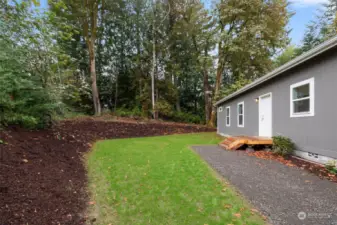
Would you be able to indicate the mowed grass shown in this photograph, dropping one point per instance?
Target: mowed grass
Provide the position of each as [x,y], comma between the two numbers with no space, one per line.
[160,180]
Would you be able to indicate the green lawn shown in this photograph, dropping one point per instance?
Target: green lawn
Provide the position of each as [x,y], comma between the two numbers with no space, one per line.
[160,180]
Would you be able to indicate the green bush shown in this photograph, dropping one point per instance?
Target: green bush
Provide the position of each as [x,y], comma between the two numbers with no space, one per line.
[164,108]
[331,166]
[23,101]
[132,113]
[186,118]
[282,146]
[26,98]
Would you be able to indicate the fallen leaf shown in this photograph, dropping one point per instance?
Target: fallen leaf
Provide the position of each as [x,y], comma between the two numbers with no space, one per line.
[238,215]
[227,206]
[254,210]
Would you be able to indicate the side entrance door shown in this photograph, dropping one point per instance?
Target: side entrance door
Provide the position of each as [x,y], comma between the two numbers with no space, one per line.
[265,115]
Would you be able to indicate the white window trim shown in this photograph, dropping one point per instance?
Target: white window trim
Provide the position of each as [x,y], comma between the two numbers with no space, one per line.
[229,116]
[220,109]
[311,97]
[243,114]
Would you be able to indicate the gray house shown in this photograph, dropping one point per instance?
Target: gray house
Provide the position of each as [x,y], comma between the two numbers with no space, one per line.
[297,100]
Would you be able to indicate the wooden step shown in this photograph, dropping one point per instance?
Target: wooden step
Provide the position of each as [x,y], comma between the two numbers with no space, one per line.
[235,142]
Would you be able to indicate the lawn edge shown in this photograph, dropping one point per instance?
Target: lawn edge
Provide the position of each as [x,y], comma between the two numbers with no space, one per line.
[91,206]
[224,181]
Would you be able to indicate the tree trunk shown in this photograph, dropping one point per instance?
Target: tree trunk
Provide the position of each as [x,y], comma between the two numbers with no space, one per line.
[176,84]
[89,23]
[116,93]
[207,88]
[154,59]
[95,95]
[208,98]
[178,105]
[219,72]
[216,93]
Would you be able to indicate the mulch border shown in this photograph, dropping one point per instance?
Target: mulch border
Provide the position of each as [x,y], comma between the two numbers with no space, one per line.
[294,161]
[43,179]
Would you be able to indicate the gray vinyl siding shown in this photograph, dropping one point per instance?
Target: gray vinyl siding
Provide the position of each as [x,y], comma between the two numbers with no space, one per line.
[318,133]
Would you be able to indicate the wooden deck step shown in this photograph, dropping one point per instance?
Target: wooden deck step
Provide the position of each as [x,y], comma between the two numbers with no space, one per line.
[235,142]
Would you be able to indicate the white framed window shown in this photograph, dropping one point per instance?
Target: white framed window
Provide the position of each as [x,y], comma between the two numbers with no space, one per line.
[302,98]
[220,109]
[241,112]
[228,116]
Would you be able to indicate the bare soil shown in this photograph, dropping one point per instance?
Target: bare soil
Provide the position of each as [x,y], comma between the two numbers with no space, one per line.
[42,174]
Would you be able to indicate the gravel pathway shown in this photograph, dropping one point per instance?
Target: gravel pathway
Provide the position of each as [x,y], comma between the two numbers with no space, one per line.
[280,192]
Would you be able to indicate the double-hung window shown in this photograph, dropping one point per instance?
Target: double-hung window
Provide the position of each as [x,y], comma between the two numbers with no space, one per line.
[240,112]
[302,98]
[228,116]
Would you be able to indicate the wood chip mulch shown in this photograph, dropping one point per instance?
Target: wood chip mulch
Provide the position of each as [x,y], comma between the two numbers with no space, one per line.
[314,168]
[42,175]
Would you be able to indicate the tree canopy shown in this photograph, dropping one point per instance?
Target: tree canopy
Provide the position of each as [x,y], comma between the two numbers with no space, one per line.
[166,59]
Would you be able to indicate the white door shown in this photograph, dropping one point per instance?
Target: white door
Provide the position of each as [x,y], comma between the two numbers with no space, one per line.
[265,115]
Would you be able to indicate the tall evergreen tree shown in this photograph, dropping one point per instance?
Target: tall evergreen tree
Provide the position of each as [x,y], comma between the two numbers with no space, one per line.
[249,33]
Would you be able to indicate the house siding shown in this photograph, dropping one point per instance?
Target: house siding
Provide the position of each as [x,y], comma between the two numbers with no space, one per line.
[316,134]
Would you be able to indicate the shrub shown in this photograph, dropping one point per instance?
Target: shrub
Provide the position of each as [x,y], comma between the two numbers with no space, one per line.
[164,108]
[123,112]
[24,102]
[26,98]
[331,166]
[186,118]
[282,146]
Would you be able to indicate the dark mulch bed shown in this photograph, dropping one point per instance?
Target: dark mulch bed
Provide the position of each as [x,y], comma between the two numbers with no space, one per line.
[42,175]
[314,168]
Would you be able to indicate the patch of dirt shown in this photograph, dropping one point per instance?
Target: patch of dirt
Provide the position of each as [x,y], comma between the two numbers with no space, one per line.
[314,168]
[42,175]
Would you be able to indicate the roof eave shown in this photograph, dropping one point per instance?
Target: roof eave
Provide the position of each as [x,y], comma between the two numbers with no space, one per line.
[289,65]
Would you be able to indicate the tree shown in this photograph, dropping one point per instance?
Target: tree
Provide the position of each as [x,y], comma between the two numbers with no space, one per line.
[321,29]
[311,38]
[30,67]
[249,33]
[191,40]
[170,59]
[154,59]
[85,15]
[288,54]
[89,20]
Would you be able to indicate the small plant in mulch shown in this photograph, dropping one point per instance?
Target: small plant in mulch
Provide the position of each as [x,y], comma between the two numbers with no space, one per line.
[331,166]
[2,142]
[282,146]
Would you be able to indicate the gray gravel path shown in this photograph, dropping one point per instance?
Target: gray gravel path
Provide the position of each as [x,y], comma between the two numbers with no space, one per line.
[280,192]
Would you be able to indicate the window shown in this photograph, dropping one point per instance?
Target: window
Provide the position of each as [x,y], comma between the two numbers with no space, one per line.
[220,109]
[228,116]
[302,98]
[241,110]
